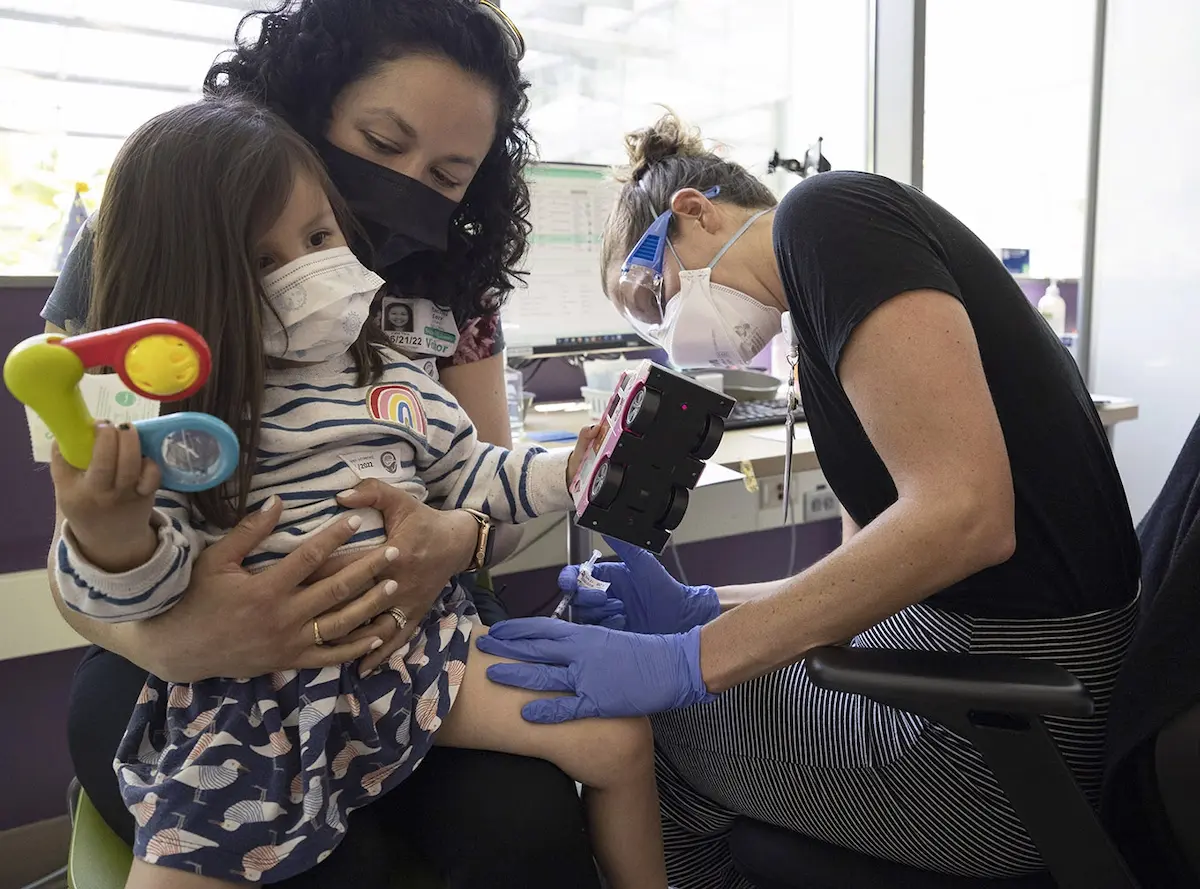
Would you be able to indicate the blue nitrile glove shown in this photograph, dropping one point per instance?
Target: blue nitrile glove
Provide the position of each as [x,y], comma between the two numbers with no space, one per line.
[607,672]
[642,596]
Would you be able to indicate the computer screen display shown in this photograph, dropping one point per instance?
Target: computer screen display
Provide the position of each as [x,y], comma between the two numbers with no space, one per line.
[562,309]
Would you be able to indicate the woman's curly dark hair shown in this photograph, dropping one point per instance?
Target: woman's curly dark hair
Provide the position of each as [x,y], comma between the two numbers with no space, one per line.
[308,51]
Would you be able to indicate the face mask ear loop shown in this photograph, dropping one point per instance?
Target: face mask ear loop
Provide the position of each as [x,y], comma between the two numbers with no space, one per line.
[678,261]
[741,231]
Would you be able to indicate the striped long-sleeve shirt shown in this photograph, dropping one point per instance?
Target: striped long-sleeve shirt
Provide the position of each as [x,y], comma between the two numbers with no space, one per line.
[321,434]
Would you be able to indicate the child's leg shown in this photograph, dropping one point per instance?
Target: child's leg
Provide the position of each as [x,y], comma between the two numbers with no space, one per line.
[150,876]
[614,758]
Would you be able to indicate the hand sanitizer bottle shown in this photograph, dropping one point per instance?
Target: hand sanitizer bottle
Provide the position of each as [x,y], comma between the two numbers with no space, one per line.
[1054,309]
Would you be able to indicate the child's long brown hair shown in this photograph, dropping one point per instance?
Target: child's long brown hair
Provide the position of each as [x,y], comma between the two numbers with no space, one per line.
[189,196]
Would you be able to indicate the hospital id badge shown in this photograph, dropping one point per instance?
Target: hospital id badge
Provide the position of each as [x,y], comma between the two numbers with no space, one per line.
[418,328]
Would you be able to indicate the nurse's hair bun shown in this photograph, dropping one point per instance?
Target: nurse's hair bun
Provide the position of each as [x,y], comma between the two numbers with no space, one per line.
[668,137]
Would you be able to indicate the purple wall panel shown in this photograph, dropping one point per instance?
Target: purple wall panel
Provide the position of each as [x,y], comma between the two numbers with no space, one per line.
[28,520]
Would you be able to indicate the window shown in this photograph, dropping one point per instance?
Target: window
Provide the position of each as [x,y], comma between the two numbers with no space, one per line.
[1007,109]
[755,76]
[77,77]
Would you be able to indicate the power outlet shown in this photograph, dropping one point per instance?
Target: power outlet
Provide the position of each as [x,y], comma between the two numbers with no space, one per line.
[770,492]
[812,500]
[820,504]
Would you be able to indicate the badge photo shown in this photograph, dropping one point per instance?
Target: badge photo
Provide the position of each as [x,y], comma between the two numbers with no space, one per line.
[397,315]
[417,328]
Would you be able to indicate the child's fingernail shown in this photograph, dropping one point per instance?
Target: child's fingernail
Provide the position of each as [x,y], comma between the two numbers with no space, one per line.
[376,643]
[390,587]
[269,504]
[347,493]
[391,554]
[355,522]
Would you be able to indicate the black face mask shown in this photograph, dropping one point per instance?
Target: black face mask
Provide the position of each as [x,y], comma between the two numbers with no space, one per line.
[400,216]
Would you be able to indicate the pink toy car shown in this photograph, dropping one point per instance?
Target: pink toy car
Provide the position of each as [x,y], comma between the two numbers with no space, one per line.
[657,431]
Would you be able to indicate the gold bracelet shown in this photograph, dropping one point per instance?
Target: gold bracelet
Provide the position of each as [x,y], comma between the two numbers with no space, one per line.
[483,542]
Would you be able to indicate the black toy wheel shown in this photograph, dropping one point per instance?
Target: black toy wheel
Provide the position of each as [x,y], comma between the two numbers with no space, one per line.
[606,483]
[642,409]
[711,438]
[676,509]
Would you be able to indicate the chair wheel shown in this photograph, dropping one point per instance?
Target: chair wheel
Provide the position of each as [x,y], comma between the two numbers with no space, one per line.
[676,509]
[711,438]
[641,411]
[606,483]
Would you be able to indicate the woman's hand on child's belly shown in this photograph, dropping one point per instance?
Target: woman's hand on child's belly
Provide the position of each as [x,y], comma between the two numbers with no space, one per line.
[434,546]
[234,623]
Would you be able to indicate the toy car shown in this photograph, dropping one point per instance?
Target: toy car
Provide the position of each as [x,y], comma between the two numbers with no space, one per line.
[657,430]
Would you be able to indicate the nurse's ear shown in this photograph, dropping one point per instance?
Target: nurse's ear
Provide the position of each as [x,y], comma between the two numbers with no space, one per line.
[691,207]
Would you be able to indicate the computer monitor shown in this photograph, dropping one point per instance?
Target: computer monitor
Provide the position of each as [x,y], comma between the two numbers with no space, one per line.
[562,309]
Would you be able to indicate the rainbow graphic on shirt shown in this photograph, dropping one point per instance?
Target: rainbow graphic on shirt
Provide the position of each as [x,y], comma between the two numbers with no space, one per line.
[397,404]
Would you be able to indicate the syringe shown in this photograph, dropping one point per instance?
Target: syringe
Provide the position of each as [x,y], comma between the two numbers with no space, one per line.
[563,609]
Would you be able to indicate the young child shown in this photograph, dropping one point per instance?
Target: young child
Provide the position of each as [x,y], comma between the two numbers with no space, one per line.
[218,215]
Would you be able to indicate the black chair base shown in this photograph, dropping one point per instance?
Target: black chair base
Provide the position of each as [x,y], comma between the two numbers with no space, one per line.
[774,858]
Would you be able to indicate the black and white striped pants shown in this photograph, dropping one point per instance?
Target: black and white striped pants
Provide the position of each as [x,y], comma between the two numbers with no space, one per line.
[846,770]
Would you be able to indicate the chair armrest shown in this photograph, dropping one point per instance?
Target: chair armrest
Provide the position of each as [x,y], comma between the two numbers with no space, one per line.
[925,680]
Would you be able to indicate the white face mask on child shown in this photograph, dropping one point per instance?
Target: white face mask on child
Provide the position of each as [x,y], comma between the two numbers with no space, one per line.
[322,300]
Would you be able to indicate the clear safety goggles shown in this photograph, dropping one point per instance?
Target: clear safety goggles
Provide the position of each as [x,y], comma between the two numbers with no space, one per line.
[512,35]
[639,292]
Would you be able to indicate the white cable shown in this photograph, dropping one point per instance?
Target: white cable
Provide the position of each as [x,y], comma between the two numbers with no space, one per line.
[682,578]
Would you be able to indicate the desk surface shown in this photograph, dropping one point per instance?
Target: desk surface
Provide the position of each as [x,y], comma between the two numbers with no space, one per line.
[31,624]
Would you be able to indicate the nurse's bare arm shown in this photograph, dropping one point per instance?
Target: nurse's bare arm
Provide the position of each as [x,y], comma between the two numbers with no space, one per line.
[849,527]
[733,596]
[913,373]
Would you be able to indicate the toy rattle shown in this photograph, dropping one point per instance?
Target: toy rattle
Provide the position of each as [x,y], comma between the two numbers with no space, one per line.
[158,359]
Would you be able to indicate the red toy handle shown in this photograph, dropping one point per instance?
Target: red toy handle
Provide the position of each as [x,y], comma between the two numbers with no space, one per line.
[109,348]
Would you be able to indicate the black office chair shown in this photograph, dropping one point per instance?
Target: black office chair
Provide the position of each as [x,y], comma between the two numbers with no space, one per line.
[1150,836]
[994,702]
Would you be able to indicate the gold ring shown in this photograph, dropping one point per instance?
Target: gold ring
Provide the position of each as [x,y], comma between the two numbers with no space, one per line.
[399,617]
[317,633]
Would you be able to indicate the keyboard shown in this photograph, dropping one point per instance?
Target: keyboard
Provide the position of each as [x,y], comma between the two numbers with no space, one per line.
[749,414]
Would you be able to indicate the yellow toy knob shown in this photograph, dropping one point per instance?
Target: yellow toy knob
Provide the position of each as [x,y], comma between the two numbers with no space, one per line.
[162,364]
[45,377]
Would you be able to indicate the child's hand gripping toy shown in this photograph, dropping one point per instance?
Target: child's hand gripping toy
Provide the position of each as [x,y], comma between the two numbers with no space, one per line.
[657,430]
[158,359]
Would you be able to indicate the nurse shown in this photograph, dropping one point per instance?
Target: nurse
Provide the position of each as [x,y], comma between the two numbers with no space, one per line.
[984,513]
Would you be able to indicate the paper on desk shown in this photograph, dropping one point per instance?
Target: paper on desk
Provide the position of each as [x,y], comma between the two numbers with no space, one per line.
[715,474]
[771,433]
[106,397]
